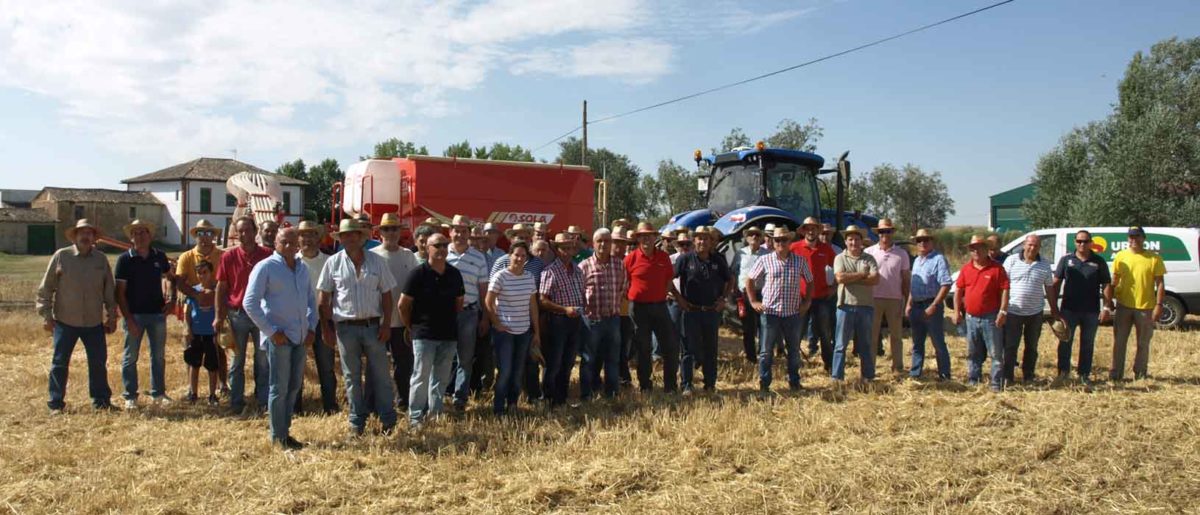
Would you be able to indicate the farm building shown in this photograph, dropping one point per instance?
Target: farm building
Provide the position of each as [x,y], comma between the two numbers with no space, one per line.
[109,209]
[27,231]
[196,189]
[17,198]
[1006,214]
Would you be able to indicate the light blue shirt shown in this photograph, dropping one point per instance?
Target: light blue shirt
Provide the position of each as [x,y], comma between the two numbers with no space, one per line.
[929,274]
[746,258]
[279,299]
[492,256]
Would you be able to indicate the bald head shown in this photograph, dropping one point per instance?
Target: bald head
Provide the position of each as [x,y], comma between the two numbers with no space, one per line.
[287,241]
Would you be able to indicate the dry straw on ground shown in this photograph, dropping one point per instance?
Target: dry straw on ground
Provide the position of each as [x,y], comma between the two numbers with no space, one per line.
[899,446]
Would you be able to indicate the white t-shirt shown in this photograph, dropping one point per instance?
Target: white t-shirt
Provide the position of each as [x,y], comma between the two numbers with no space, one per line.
[314,264]
[512,299]
[400,263]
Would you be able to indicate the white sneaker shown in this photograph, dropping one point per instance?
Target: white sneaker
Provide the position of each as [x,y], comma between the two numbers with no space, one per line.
[163,400]
[130,404]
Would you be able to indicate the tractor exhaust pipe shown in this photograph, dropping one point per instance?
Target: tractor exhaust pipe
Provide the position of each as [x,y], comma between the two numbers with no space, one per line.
[843,187]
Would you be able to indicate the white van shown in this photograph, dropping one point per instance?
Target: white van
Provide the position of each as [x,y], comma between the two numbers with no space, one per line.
[1179,248]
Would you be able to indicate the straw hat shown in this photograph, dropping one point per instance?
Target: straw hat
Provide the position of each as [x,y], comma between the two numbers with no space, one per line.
[203,225]
[923,234]
[811,221]
[430,222]
[781,233]
[753,229]
[977,239]
[563,239]
[885,223]
[460,221]
[135,224]
[477,234]
[682,237]
[621,222]
[645,228]
[518,229]
[490,227]
[352,225]
[769,230]
[707,231]
[854,229]
[313,227]
[624,235]
[1059,329]
[83,223]
[390,220]
[541,227]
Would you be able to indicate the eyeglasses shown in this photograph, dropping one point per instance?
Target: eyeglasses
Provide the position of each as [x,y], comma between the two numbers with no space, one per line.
[204,233]
[440,245]
[885,231]
[925,240]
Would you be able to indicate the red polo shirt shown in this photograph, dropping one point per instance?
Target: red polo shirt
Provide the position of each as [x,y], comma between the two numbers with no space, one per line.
[982,287]
[235,270]
[648,275]
[818,258]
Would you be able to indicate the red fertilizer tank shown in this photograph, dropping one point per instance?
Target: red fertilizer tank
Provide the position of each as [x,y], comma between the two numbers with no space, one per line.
[502,192]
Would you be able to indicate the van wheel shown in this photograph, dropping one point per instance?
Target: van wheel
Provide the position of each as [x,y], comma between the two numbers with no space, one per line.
[1172,313]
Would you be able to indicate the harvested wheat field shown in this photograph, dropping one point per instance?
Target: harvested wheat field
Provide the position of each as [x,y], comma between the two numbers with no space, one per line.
[899,446]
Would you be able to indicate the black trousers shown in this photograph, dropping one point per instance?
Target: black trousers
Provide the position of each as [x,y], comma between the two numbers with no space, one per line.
[653,318]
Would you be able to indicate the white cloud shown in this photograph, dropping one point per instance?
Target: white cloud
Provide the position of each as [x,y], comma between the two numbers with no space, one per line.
[191,77]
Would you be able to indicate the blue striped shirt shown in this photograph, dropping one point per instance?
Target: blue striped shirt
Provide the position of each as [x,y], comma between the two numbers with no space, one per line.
[473,267]
[929,274]
[1027,284]
[534,266]
[512,299]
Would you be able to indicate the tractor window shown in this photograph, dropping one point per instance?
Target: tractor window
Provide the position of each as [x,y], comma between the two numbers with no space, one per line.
[734,187]
[792,188]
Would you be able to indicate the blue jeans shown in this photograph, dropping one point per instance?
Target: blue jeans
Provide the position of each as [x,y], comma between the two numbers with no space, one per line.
[323,356]
[774,328]
[468,329]
[983,339]
[511,351]
[154,328]
[603,351]
[433,362]
[356,342]
[932,327]
[854,322]
[560,351]
[820,321]
[245,332]
[94,345]
[701,344]
[286,369]
[1087,323]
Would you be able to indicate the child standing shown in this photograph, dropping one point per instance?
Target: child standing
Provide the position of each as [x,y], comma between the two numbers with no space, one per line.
[201,347]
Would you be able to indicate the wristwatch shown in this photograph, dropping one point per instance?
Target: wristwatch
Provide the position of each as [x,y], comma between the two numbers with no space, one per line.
[1004,312]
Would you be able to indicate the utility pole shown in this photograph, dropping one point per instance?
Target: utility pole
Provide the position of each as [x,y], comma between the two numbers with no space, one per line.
[583,158]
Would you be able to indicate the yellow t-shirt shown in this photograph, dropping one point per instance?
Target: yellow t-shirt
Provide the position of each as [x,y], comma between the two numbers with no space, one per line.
[185,267]
[1137,271]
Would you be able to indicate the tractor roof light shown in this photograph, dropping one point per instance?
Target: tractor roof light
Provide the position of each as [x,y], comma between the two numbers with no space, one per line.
[760,146]
[697,155]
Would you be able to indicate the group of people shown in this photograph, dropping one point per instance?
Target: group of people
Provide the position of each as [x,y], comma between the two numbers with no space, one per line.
[459,315]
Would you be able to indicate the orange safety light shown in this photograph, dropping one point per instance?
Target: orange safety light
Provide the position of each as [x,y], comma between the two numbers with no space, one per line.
[760,146]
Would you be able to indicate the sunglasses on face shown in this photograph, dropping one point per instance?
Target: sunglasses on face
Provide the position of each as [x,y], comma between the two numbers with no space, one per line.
[885,231]
[1081,242]
[924,240]
[204,233]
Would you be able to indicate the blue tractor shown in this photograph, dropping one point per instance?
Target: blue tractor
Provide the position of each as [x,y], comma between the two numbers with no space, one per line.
[751,187]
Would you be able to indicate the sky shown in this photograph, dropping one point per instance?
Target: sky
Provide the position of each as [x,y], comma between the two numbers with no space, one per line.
[95,91]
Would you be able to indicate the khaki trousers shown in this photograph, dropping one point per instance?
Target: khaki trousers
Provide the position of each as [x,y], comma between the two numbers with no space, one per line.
[893,311]
[1125,321]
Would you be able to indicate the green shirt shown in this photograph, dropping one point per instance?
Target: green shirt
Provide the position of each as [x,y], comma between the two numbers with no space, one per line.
[855,294]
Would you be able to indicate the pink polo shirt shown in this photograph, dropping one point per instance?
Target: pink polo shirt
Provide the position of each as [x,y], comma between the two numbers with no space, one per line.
[892,265]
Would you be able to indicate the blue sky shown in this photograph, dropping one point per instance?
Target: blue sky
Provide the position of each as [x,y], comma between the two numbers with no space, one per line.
[93,91]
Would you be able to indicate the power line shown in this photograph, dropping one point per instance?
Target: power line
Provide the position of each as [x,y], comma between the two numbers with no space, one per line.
[783,70]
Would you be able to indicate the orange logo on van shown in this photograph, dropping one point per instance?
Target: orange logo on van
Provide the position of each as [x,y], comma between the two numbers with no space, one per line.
[1099,244]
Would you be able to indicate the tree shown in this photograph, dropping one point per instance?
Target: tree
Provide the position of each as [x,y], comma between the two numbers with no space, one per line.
[460,150]
[626,199]
[1139,165]
[294,169]
[910,196]
[321,179]
[736,138]
[395,147]
[791,135]
[672,190]
[497,152]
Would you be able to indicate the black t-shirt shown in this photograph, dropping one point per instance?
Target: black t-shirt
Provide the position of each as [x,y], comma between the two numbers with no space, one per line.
[434,295]
[702,281]
[1082,282]
[143,280]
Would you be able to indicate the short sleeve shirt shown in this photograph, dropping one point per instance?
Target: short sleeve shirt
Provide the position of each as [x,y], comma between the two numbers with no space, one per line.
[783,288]
[893,263]
[400,263]
[855,294]
[202,316]
[185,267]
[929,274]
[235,270]
[434,316]
[648,275]
[357,291]
[820,258]
[143,280]
[1027,284]
[513,293]
[982,287]
[702,281]
[1083,280]
[473,267]
[1137,272]
[562,284]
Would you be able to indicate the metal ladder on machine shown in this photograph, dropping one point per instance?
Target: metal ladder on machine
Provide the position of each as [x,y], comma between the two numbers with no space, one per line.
[258,195]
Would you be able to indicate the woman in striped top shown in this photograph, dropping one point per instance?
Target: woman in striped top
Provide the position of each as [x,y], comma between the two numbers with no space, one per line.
[511,304]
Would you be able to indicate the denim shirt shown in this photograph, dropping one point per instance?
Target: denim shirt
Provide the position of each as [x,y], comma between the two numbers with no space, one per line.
[929,274]
[279,299]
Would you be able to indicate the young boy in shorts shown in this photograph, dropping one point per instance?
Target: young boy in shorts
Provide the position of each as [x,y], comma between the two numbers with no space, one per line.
[201,347]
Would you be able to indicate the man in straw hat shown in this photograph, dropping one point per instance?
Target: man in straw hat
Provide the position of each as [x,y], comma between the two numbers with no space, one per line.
[561,295]
[541,231]
[400,262]
[429,306]
[582,250]
[856,273]
[356,309]
[283,307]
[76,301]
[1081,277]
[622,237]
[683,245]
[895,277]
[827,234]
[925,307]
[818,320]
[743,263]
[981,292]
[232,277]
[605,284]
[782,305]
[204,233]
[314,260]
[491,244]
[471,323]
[650,280]
[1031,284]
[1137,282]
[142,274]
[704,282]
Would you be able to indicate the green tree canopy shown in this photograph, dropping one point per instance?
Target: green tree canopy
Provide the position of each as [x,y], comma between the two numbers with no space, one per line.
[320,180]
[910,196]
[625,197]
[497,152]
[395,147]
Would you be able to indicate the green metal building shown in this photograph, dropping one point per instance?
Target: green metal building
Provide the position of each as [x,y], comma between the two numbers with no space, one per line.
[1006,214]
